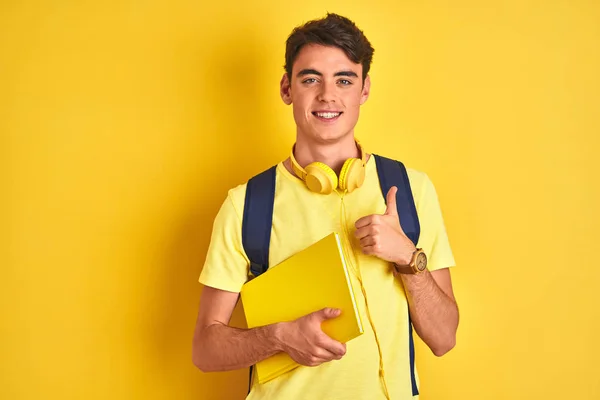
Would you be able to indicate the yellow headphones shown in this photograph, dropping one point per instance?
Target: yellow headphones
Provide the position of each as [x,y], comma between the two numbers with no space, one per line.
[320,178]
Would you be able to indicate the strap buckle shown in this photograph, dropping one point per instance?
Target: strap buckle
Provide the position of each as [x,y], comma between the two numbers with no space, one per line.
[257,269]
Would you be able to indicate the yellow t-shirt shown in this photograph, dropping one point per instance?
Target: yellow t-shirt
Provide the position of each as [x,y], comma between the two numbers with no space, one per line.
[300,218]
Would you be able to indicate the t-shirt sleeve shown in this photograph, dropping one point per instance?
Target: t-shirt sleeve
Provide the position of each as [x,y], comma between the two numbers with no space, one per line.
[226,265]
[433,238]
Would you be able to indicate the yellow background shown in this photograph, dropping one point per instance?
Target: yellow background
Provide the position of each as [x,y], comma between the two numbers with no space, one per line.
[124,123]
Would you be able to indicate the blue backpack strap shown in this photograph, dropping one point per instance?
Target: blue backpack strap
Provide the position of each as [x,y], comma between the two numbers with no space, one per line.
[257,220]
[256,225]
[393,173]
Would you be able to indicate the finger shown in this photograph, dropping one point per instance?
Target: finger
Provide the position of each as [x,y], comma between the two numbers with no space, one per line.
[371,250]
[391,201]
[368,220]
[368,241]
[313,361]
[332,346]
[327,313]
[316,361]
[326,355]
[362,222]
[368,230]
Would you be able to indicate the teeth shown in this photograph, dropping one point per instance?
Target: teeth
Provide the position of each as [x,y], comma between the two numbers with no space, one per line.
[328,115]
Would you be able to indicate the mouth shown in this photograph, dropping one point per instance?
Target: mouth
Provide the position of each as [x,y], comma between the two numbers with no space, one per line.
[327,116]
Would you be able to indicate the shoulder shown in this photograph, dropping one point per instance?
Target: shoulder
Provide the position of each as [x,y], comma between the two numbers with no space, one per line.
[421,185]
[237,194]
[236,197]
[419,182]
[424,193]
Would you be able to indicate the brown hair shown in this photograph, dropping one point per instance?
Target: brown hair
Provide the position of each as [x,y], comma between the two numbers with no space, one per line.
[333,30]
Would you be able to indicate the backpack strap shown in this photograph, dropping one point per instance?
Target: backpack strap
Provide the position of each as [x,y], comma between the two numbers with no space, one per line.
[393,173]
[257,220]
[256,225]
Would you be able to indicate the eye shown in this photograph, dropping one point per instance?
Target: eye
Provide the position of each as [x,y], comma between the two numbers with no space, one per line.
[345,82]
[309,80]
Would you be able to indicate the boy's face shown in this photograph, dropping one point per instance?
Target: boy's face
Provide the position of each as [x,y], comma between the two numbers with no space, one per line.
[326,91]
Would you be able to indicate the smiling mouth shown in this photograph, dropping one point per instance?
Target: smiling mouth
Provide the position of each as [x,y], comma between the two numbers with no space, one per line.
[327,115]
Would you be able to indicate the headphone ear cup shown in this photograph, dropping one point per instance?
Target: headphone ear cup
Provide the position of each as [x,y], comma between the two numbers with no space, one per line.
[352,175]
[320,178]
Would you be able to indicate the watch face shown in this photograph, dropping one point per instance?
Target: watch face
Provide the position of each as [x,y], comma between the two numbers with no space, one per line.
[421,263]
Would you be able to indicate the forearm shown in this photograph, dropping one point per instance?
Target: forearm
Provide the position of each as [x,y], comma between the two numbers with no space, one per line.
[434,314]
[220,347]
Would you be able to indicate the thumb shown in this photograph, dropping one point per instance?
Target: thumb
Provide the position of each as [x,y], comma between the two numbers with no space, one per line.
[391,201]
[327,313]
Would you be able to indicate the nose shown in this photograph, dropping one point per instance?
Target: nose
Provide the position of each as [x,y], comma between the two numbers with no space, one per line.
[327,93]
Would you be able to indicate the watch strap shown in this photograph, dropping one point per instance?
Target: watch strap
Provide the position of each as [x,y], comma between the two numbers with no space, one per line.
[411,267]
[404,269]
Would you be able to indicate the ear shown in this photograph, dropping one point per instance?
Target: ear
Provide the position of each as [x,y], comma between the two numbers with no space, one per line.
[285,89]
[366,90]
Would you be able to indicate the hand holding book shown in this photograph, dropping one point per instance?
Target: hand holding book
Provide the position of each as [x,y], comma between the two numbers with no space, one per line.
[305,341]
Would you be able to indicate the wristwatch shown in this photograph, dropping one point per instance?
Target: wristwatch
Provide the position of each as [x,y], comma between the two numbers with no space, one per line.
[418,264]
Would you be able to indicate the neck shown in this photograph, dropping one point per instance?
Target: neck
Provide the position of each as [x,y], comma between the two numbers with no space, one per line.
[332,154]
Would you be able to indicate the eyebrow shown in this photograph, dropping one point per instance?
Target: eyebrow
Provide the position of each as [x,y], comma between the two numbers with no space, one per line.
[315,72]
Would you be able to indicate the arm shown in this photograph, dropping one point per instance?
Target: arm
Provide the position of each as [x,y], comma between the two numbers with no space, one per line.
[433,309]
[220,347]
[432,306]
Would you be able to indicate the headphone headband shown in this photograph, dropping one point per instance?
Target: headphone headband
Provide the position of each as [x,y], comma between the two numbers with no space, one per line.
[301,172]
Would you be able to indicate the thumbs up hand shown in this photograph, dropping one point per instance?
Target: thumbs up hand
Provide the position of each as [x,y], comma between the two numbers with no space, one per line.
[382,235]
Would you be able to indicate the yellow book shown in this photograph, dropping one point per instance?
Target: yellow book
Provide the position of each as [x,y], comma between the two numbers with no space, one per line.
[315,278]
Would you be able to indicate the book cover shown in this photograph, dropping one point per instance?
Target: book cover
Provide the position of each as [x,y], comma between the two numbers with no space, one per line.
[310,280]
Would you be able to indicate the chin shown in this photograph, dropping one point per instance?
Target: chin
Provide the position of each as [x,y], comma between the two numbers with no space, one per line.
[329,136]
